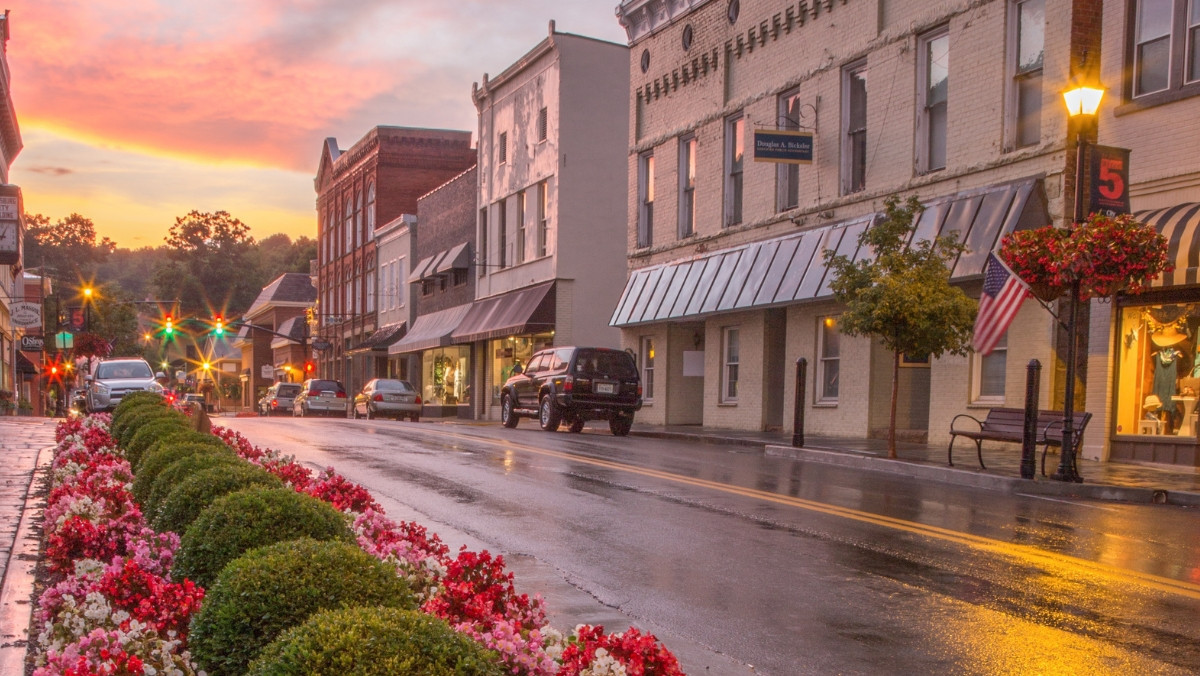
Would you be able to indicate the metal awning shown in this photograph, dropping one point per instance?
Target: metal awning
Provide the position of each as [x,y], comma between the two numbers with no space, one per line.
[457,258]
[27,362]
[529,310]
[1180,224]
[381,338]
[421,268]
[791,269]
[431,330]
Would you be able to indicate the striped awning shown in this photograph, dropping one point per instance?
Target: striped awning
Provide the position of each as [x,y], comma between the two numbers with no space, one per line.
[1179,224]
[791,269]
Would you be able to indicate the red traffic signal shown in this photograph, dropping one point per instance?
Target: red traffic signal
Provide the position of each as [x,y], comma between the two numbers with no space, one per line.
[309,367]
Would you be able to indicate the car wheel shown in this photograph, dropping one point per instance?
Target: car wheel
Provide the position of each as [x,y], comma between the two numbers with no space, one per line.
[416,417]
[576,426]
[508,416]
[620,425]
[548,414]
[370,413]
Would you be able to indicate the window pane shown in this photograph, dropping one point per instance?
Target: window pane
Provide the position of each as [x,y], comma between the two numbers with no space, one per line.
[1194,50]
[829,380]
[1032,36]
[991,374]
[829,339]
[938,69]
[789,174]
[1029,110]
[1154,19]
[1154,62]
[937,136]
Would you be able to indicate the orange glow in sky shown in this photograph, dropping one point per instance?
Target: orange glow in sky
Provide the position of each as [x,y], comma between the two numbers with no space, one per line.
[135,112]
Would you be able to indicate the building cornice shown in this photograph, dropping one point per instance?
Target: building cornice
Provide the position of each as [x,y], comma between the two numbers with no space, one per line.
[643,18]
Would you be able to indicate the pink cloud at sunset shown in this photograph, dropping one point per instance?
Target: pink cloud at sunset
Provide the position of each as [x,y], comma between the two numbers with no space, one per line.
[219,89]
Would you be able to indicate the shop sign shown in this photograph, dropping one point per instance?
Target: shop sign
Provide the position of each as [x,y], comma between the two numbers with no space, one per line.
[321,344]
[26,314]
[1110,180]
[788,147]
[266,371]
[63,340]
[33,343]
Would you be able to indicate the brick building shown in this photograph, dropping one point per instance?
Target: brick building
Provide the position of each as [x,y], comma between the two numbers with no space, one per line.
[442,288]
[955,102]
[274,343]
[379,178]
[11,225]
[1146,346]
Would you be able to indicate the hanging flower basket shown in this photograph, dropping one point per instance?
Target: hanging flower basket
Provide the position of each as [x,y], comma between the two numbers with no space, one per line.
[1107,255]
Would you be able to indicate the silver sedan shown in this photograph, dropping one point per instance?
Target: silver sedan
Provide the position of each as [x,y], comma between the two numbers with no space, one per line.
[387,397]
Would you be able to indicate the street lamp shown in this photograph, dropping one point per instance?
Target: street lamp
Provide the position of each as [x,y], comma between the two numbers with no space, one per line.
[1082,102]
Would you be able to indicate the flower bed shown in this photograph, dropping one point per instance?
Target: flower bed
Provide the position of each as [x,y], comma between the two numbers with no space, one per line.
[112,608]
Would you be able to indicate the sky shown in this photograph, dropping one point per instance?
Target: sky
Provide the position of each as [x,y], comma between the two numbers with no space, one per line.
[135,112]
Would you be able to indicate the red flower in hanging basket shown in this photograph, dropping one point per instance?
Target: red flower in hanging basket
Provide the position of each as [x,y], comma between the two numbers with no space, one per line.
[1107,255]
[91,345]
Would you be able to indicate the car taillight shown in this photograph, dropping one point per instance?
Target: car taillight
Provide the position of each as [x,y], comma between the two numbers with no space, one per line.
[378,397]
[639,390]
[417,401]
[568,385]
[314,393]
[274,403]
[341,395]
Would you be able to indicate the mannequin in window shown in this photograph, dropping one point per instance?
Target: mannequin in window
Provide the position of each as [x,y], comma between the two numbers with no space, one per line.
[1165,365]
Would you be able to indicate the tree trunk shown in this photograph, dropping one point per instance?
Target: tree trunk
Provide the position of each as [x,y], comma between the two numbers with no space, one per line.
[895,394]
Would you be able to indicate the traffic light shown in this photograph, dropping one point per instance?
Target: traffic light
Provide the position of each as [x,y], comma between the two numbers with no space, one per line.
[309,315]
[169,326]
[309,367]
[219,325]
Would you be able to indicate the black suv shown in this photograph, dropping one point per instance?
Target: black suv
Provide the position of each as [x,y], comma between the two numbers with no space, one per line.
[574,385]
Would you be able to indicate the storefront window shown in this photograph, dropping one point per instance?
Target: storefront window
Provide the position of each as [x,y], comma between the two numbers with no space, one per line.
[504,353]
[446,375]
[1157,370]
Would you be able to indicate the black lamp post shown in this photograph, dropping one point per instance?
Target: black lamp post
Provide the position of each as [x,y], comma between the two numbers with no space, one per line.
[1081,101]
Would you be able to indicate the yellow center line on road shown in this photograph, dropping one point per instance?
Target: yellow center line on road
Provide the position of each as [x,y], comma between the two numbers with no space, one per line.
[1066,564]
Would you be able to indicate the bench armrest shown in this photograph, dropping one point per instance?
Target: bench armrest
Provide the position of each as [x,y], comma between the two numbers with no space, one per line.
[972,418]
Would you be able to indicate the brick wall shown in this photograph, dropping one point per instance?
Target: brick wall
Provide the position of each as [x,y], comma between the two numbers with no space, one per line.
[445,219]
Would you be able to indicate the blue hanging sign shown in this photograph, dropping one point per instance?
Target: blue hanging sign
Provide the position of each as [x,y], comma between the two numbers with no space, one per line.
[790,147]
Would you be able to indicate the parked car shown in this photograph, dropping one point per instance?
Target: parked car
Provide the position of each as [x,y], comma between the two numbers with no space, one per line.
[77,400]
[574,385]
[320,396]
[114,378]
[279,398]
[387,397]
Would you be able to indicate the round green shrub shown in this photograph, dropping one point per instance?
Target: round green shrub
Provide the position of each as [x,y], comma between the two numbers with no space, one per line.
[156,461]
[152,431]
[255,517]
[270,589]
[137,399]
[120,422]
[374,642]
[187,498]
[166,481]
[142,418]
[183,436]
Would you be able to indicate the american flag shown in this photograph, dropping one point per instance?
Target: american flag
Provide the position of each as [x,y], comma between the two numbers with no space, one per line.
[1003,293]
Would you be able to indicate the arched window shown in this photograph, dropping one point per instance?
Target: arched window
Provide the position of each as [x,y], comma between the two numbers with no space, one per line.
[371,211]
[349,226]
[358,220]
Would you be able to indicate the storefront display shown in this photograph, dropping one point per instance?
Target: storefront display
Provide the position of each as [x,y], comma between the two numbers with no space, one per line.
[505,353]
[1158,370]
[446,376]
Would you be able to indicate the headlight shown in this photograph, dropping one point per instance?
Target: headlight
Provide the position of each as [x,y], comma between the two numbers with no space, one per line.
[101,388]
[155,387]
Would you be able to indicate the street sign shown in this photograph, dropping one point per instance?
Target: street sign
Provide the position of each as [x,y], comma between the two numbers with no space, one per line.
[266,371]
[26,314]
[33,343]
[321,344]
[64,340]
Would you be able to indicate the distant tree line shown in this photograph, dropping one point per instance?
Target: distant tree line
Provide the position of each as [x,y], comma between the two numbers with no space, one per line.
[209,263]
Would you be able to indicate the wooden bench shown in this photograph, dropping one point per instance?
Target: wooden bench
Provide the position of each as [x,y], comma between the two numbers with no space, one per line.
[1008,424]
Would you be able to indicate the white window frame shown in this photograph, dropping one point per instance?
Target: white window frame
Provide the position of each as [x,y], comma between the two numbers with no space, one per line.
[826,360]
[543,217]
[925,128]
[502,234]
[349,224]
[645,198]
[730,363]
[482,252]
[687,185]
[787,174]
[371,211]
[735,168]
[1000,351]
[370,292]
[852,182]
[1182,71]
[1017,76]
[520,255]
[646,356]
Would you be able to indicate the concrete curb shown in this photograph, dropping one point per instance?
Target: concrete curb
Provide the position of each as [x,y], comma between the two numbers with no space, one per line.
[949,475]
[16,603]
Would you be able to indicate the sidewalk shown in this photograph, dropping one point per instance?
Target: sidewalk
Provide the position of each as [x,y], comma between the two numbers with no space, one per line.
[26,444]
[1101,480]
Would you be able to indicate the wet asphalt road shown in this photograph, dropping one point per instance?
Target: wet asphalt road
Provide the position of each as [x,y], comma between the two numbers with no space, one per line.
[744,563]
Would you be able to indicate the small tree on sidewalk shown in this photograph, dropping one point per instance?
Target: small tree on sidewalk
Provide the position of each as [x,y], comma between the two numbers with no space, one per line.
[902,295]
